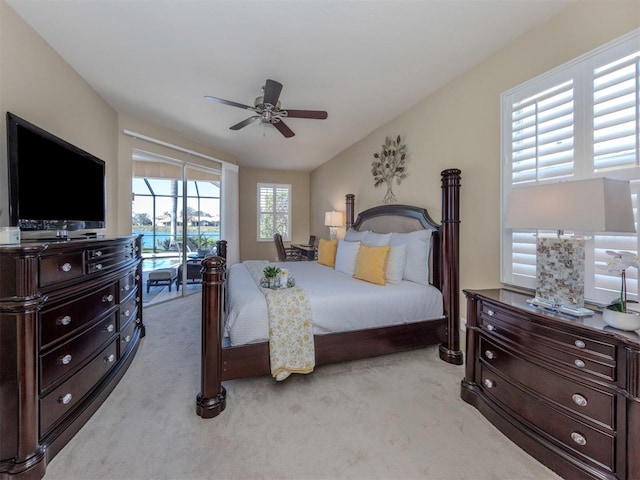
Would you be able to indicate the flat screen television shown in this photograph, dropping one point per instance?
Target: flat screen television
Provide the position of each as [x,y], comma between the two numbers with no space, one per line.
[54,186]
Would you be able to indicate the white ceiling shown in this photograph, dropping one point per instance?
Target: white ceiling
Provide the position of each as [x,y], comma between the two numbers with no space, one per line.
[363,61]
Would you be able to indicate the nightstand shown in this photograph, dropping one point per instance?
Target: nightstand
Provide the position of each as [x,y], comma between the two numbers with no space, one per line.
[565,389]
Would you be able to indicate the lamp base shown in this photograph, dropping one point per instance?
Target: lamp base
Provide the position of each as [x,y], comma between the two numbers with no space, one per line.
[560,308]
[560,270]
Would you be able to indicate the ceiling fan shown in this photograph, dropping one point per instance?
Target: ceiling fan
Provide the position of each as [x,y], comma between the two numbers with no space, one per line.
[267,108]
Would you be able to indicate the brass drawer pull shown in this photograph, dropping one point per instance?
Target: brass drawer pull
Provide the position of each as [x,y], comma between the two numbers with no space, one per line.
[490,354]
[489,383]
[65,267]
[579,439]
[579,344]
[66,360]
[579,400]
[65,399]
[66,320]
[107,298]
[579,363]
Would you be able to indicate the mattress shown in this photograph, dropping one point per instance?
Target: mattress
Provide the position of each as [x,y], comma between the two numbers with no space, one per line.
[339,302]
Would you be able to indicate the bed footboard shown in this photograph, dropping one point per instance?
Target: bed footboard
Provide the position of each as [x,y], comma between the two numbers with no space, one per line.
[212,398]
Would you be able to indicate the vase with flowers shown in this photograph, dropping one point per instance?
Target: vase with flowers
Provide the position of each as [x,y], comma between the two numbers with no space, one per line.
[618,314]
[271,275]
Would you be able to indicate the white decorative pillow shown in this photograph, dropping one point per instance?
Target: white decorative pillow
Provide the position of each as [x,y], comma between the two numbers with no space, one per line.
[347,256]
[374,239]
[418,244]
[354,235]
[396,264]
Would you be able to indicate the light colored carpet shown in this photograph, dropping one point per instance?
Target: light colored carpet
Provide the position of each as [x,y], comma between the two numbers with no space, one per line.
[394,417]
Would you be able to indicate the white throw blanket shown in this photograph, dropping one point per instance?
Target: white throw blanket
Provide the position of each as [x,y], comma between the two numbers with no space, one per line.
[291,347]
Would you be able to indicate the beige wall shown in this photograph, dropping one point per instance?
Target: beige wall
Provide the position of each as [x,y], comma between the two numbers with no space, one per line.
[459,126]
[250,248]
[39,86]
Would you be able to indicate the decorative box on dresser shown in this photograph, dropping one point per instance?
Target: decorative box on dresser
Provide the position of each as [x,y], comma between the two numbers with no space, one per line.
[565,389]
[70,323]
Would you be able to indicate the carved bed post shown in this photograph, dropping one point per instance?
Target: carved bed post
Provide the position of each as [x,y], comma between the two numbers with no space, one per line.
[350,210]
[212,398]
[450,352]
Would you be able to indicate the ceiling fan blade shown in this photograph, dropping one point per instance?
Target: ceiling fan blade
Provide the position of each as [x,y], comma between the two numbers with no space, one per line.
[272,91]
[283,129]
[317,114]
[228,102]
[246,122]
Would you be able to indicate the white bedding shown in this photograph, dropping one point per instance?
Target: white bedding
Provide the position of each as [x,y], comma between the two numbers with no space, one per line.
[339,302]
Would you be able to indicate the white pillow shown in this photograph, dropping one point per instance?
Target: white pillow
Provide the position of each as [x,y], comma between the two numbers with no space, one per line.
[418,244]
[347,256]
[354,235]
[396,263]
[374,239]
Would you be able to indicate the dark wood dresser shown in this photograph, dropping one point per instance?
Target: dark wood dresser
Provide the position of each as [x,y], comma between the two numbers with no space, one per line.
[70,323]
[565,389]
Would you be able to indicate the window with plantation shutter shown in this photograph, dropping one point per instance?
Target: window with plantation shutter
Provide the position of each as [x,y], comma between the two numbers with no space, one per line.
[576,122]
[274,211]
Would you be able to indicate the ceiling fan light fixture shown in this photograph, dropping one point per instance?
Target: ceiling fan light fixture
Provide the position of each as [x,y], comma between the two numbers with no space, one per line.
[270,112]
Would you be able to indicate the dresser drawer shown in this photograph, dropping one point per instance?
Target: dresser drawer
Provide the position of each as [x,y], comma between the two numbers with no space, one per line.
[127,309]
[573,352]
[127,334]
[578,437]
[63,319]
[60,268]
[62,399]
[592,404]
[66,358]
[128,284]
[107,258]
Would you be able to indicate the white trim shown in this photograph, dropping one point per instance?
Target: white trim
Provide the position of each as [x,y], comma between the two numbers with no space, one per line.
[230,166]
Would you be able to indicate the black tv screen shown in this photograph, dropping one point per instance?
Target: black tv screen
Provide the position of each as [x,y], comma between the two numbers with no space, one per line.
[53,185]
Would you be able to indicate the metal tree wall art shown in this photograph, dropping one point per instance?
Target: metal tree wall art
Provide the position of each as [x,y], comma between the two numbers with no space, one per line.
[389,165]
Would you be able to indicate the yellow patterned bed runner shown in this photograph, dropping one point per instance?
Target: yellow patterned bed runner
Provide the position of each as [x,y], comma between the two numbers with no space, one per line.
[291,346]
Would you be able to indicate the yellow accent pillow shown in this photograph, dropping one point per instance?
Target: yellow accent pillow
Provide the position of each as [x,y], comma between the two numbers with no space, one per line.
[372,264]
[327,252]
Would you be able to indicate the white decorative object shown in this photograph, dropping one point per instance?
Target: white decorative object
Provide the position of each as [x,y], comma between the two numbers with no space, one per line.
[627,321]
[284,277]
[9,235]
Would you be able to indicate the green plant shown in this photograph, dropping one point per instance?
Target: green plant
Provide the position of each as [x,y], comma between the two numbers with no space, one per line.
[271,271]
[389,164]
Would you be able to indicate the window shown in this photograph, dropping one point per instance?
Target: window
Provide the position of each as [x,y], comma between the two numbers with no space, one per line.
[274,211]
[578,121]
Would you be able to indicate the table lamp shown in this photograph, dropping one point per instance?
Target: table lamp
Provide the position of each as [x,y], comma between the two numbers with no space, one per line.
[333,220]
[596,205]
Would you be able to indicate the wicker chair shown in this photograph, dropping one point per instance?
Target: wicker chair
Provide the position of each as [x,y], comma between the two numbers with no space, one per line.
[286,254]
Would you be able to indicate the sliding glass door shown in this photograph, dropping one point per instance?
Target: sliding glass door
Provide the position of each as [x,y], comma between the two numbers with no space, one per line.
[177,208]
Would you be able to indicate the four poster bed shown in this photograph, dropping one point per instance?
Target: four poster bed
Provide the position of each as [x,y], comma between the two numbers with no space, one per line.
[226,355]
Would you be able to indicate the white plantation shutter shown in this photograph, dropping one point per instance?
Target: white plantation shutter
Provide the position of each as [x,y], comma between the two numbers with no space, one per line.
[274,211]
[579,121]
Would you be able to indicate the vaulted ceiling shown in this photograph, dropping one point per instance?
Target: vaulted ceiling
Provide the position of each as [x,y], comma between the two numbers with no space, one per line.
[364,62]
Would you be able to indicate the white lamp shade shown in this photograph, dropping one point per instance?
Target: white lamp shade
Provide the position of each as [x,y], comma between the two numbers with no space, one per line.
[594,205]
[333,219]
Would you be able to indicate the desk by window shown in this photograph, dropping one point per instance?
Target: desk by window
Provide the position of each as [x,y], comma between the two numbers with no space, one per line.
[307,250]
